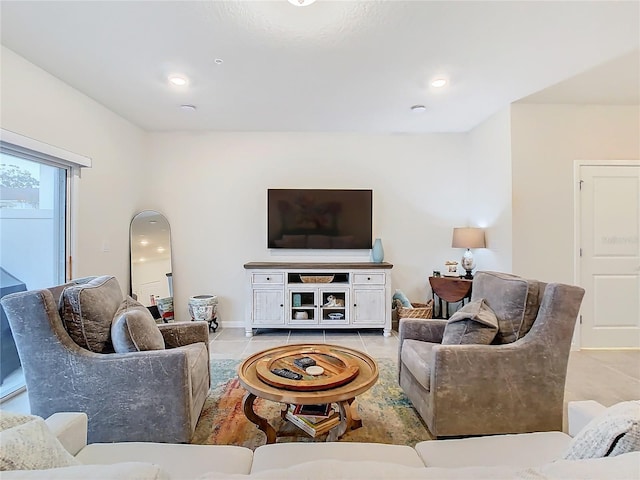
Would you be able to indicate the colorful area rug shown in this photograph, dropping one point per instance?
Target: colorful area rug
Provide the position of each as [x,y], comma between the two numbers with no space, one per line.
[387,415]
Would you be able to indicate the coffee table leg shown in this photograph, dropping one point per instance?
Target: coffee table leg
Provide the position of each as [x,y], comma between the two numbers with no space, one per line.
[349,419]
[253,417]
[356,421]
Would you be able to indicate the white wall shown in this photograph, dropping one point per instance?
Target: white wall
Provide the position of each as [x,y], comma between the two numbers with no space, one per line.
[489,204]
[38,105]
[546,140]
[212,188]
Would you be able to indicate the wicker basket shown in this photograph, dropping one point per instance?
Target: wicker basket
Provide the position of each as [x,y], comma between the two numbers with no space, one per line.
[316,278]
[419,310]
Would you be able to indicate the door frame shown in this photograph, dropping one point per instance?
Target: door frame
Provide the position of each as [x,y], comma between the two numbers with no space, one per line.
[576,342]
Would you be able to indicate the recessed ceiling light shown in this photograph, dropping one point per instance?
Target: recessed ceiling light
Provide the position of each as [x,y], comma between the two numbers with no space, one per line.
[301,3]
[418,108]
[439,82]
[160,249]
[218,61]
[187,107]
[178,81]
[144,243]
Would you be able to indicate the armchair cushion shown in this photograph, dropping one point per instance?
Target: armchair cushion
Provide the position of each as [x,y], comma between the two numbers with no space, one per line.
[87,312]
[475,323]
[198,364]
[30,445]
[134,329]
[614,432]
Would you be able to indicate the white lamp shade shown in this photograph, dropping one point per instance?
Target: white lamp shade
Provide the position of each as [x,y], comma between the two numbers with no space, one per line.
[468,237]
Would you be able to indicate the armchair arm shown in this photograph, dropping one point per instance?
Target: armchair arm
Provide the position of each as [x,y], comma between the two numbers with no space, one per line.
[70,428]
[178,334]
[426,330]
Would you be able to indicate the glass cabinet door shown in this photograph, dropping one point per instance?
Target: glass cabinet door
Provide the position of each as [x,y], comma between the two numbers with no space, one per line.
[303,306]
[335,306]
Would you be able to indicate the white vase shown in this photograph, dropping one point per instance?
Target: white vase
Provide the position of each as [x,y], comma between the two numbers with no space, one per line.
[377,252]
[203,307]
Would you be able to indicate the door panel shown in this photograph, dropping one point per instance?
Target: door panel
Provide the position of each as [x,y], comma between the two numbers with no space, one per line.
[610,261]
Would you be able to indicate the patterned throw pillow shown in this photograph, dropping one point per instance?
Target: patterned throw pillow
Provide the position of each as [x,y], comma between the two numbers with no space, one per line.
[12,419]
[32,446]
[134,329]
[614,432]
[87,312]
[475,323]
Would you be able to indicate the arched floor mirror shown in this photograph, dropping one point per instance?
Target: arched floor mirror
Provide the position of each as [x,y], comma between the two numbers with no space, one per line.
[150,247]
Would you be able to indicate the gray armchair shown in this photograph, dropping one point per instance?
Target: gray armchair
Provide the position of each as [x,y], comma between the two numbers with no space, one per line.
[153,396]
[514,385]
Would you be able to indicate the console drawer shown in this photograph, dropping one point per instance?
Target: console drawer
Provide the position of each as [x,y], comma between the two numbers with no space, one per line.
[368,278]
[267,278]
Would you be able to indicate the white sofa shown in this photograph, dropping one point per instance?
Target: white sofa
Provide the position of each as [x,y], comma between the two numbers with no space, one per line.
[522,456]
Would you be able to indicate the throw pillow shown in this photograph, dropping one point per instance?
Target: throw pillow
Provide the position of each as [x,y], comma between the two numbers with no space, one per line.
[32,446]
[87,312]
[12,419]
[402,298]
[475,323]
[134,329]
[614,432]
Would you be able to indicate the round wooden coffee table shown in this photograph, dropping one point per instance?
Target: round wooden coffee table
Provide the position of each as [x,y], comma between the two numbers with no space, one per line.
[347,373]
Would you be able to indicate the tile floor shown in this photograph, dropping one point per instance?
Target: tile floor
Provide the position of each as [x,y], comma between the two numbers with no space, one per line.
[232,343]
[607,376]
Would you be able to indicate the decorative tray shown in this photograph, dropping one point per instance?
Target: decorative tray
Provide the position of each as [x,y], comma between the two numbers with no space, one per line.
[339,368]
[316,278]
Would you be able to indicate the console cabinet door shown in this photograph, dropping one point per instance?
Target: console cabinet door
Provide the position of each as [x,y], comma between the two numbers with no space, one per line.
[268,306]
[334,306]
[303,306]
[368,306]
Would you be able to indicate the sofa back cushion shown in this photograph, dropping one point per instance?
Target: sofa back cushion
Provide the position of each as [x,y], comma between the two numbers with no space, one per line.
[87,312]
[134,329]
[514,300]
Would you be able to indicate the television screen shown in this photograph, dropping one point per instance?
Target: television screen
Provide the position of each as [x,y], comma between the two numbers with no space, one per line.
[322,219]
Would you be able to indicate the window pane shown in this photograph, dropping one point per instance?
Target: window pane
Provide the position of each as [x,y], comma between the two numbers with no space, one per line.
[32,240]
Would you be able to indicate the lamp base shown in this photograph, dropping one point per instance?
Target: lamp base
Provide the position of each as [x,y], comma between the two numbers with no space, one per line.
[468,264]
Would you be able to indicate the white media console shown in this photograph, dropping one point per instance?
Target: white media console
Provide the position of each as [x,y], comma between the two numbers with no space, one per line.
[319,295]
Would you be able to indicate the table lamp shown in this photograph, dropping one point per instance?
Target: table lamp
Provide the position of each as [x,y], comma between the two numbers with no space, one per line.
[468,237]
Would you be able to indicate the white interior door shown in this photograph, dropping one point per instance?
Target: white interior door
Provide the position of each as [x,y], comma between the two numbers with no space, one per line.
[610,261]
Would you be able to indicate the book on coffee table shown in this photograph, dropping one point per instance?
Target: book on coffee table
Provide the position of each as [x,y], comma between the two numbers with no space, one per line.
[319,410]
[314,428]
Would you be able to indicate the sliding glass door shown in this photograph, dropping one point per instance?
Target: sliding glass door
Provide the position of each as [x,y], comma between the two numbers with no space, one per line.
[33,238]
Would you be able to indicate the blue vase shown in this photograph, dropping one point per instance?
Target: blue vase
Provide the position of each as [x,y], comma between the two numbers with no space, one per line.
[377,252]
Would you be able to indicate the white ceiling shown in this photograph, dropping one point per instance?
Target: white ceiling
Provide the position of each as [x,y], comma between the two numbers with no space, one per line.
[335,66]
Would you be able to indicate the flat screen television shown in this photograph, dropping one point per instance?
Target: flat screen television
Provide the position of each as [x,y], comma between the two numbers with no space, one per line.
[319,219]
